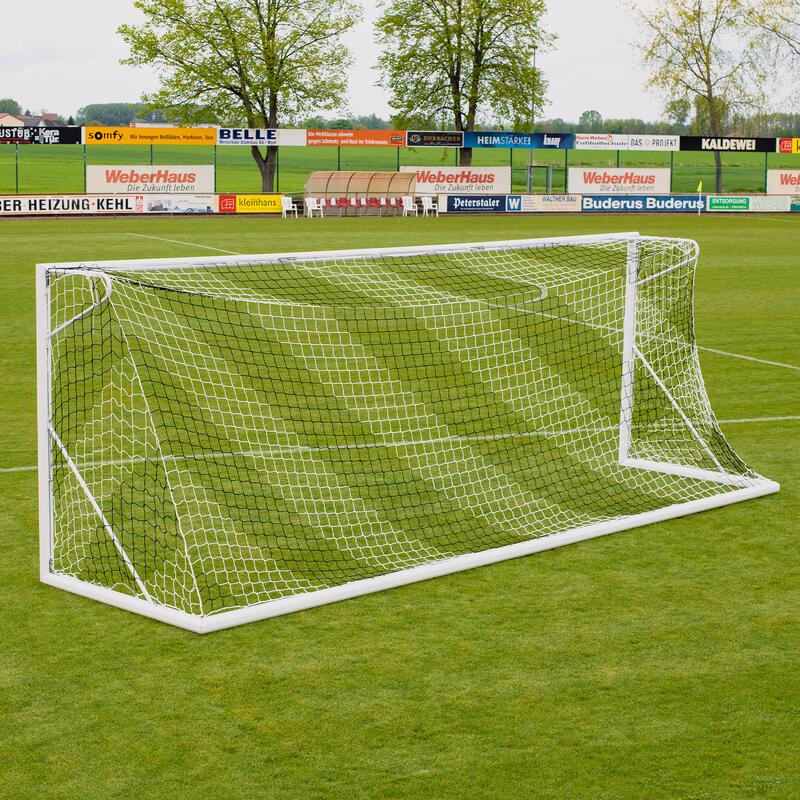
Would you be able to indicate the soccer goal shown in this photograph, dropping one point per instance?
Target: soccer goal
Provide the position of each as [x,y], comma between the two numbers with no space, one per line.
[227,439]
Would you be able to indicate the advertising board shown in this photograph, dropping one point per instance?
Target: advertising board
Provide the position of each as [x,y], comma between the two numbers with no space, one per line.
[755,204]
[356,138]
[258,204]
[527,141]
[618,180]
[167,179]
[783,181]
[732,144]
[461,180]
[461,203]
[434,139]
[66,204]
[549,203]
[175,204]
[654,142]
[123,135]
[789,146]
[284,137]
[653,204]
[602,141]
[20,134]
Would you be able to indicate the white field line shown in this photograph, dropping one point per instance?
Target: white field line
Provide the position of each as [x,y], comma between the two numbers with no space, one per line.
[402,443]
[589,325]
[189,244]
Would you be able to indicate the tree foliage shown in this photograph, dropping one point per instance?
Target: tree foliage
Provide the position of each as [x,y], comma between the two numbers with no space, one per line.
[9,106]
[262,63]
[118,113]
[457,61]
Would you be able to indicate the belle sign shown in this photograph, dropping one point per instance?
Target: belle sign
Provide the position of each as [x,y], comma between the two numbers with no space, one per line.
[461,180]
[618,180]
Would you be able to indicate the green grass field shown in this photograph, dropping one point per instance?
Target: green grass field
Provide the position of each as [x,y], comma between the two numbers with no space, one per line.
[655,663]
[44,169]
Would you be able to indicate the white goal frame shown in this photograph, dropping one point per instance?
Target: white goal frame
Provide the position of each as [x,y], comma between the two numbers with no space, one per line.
[748,487]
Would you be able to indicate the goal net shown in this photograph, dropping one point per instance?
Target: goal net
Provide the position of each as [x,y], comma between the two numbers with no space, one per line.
[229,439]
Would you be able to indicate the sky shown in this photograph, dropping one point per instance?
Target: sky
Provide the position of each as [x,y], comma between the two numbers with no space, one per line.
[58,56]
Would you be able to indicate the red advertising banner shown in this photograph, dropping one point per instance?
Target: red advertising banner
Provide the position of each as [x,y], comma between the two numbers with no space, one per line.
[356,138]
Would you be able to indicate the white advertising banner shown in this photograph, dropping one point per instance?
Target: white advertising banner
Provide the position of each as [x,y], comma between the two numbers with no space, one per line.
[783,181]
[564,203]
[153,179]
[175,204]
[618,180]
[461,180]
[602,141]
[654,142]
[65,204]
[284,137]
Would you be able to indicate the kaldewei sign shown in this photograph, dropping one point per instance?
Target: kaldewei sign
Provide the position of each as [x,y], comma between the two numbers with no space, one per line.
[127,179]
[733,144]
[783,181]
[619,180]
[461,180]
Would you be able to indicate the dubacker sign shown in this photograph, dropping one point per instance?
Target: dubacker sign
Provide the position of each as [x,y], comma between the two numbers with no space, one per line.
[284,137]
[783,181]
[195,179]
[359,138]
[434,138]
[527,141]
[652,204]
[619,180]
[729,144]
[461,180]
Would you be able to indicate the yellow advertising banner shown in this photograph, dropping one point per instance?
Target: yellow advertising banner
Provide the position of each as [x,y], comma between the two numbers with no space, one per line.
[197,136]
[786,145]
[258,204]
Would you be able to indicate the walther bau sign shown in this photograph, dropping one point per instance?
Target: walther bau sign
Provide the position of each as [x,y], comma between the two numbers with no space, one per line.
[153,179]
[461,180]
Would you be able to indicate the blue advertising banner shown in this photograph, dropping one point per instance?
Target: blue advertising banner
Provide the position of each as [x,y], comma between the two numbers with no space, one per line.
[546,141]
[656,204]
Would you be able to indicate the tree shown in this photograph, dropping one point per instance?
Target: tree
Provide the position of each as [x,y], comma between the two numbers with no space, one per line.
[591,121]
[780,20]
[9,106]
[264,62]
[707,51]
[462,58]
[70,120]
[677,112]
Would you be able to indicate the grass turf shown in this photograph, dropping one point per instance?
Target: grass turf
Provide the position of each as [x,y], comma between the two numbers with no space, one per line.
[654,663]
[44,169]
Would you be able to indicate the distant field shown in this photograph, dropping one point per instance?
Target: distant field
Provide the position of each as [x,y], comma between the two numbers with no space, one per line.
[45,169]
[656,664]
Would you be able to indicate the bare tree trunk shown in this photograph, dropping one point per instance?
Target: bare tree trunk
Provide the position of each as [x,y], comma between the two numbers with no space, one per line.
[465,157]
[266,166]
[714,125]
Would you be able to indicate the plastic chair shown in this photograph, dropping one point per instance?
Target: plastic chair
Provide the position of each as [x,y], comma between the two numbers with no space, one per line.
[288,206]
[409,206]
[429,205]
[312,204]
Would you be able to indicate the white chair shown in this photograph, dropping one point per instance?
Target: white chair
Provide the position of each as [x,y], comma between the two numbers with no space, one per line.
[288,206]
[429,205]
[312,204]
[409,206]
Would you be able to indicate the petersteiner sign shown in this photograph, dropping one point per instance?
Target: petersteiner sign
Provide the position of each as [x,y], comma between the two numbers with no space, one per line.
[461,180]
[104,179]
[619,180]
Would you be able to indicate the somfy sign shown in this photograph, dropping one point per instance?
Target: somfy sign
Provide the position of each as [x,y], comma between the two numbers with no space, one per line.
[154,179]
[619,180]
[461,180]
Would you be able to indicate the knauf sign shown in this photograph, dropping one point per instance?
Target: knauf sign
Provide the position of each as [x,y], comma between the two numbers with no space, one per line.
[652,204]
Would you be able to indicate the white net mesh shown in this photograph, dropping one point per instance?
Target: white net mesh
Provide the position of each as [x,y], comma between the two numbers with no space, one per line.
[252,431]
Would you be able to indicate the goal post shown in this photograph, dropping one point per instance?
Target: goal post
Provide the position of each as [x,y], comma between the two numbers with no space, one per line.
[223,440]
